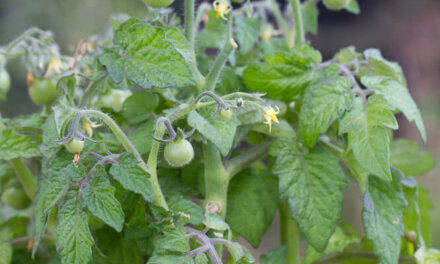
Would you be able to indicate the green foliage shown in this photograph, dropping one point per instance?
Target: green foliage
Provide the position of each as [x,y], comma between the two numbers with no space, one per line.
[267,126]
[311,182]
[74,241]
[324,103]
[128,173]
[283,76]
[149,56]
[218,130]
[382,216]
[14,146]
[100,200]
[252,203]
[407,156]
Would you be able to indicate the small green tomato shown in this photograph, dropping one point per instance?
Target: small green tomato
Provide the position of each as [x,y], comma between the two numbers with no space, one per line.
[16,198]
[75,145]
[158,3]
[336,4]
[179,153]
[226,113]
[43,91]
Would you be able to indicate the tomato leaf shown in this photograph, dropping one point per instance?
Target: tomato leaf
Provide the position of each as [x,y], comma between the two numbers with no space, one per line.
[220,131]
[367,135]
[74,240]
[407,156]
[382,216]
[13,146]
[398,96]
[283,76]
[252,203]
[99,198]
[149,56]
[132,177]
[312,183]
[323,103]
[50,190]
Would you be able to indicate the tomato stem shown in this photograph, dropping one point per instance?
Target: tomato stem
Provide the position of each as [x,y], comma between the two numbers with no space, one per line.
[217,68]
[128,145]
[281,23]
[300,34]
[152,166]
[290,234]
[25,176]
[216,180]
[189,21]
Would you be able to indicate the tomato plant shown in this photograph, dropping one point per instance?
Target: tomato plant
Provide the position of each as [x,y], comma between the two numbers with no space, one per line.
[264,125]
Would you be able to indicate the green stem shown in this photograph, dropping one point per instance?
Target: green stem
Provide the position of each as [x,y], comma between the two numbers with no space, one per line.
[120,135]
[189,21]
[300,35]
[289,234]
[220,61]
[25,176]
[281,23]
[241,162]
[189,34]
[152,166]
[216,179]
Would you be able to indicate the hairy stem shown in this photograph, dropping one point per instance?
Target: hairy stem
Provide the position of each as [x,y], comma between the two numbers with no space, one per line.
[216,180]
[120,135]
[290,234]
[220,61]
[25,176]
[189,21]
[281,23]
[241,162]
[152,166]
[300,34]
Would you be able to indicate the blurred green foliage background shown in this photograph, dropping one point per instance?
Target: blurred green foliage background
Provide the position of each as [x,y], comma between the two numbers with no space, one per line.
[407,31]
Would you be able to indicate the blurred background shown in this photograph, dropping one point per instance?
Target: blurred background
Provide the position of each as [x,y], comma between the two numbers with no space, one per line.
[407,31]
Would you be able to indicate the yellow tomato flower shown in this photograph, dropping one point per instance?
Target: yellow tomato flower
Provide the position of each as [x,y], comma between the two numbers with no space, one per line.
[88,127]
[222,7]
[55,66]
[270,115]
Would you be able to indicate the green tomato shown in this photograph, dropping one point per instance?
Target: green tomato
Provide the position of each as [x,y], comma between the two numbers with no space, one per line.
[114,99]
[336,4]
[75,145]
[43,91]
[5,81]
[158,3]
[179,153]
[15,198]
[226,114]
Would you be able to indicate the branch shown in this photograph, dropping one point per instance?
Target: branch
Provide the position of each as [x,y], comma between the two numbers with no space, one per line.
[241,162]
[300,34]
